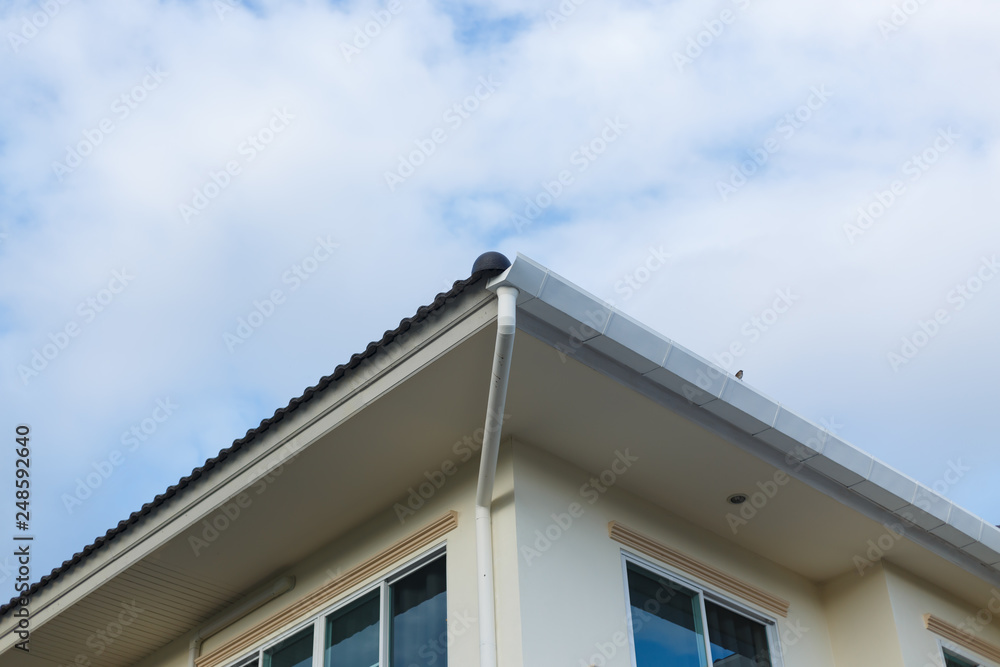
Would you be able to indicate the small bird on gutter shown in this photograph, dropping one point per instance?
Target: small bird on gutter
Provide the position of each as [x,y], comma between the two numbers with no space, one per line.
[739,374]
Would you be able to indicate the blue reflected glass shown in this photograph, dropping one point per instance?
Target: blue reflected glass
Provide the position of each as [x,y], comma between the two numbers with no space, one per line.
[736,640]
[666,622]
[352,634]
[296,651]
[419,618]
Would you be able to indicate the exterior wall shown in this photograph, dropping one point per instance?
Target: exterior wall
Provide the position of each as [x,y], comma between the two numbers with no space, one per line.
[375,535]
[861,621]
[560,585]
[911,598]
[506,565]
[572,584]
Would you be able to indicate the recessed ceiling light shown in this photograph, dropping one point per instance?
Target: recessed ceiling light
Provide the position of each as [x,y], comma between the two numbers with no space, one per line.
[737,499]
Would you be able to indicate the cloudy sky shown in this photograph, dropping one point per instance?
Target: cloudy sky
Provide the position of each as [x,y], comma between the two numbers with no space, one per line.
[166,167]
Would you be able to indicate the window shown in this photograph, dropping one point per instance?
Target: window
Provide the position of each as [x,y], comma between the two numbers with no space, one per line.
[953,660]
[296,651]
[400,622]
[352,636]
[682,626]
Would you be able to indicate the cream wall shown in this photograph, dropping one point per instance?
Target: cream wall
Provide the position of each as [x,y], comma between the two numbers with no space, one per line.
[506,566]
[573,591]
[861,621]
[911,598]
[561,599]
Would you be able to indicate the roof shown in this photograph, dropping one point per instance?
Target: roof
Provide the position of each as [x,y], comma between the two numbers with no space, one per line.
[578,323]
[487,265]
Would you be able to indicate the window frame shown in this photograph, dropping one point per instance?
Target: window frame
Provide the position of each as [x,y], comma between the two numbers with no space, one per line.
[945,647]
[770,623]
[318,620]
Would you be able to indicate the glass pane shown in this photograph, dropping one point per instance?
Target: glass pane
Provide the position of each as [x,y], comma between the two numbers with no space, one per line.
[352,635]
[666,622]
[419,618]
[951,660]
[296,651]
[736,640]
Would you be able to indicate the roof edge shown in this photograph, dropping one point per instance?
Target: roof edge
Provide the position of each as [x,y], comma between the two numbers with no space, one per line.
[588,322]
[310,393]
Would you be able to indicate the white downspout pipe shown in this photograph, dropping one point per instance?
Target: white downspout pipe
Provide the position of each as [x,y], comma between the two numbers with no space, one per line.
[506,321]
[274,589]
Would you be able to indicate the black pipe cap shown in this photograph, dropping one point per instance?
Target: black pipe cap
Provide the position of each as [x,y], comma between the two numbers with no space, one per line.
[490,261]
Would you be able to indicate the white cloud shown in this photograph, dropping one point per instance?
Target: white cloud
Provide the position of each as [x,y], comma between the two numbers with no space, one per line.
[325,175]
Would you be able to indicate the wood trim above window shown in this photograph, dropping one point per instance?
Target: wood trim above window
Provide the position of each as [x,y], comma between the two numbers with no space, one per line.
[698,569]
[961,637]
[328,593]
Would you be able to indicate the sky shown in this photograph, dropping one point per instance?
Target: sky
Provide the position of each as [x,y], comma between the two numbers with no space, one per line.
[206,206]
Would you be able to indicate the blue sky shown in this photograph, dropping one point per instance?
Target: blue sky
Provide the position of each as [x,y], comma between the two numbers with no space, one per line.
[165,168]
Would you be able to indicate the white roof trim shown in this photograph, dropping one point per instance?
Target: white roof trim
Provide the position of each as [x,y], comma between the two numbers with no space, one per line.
[590,324]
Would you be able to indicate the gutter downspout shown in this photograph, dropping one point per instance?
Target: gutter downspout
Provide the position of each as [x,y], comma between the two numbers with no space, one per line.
[506,324]
[277,587]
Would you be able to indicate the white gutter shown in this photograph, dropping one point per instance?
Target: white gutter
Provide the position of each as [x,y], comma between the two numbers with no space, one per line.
[277,587]
[506,321]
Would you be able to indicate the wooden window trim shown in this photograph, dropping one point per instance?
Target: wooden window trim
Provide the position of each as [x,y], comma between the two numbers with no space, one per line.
[694,567]
[961,637]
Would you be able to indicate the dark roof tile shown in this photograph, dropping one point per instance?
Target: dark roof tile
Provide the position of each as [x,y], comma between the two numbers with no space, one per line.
[311,392]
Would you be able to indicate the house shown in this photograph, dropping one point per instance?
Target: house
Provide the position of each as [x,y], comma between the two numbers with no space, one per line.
[521,475]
